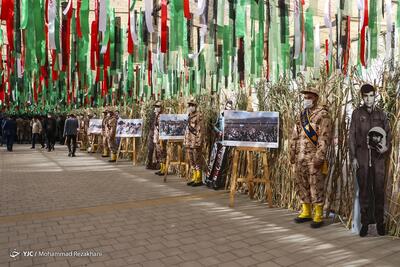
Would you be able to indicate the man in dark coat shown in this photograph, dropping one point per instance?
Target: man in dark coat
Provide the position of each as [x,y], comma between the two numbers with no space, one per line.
[370,142]
[9,132]
[50,127]
[70,132]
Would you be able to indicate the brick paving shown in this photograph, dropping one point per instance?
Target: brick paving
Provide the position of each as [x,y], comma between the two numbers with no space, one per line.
[119,215]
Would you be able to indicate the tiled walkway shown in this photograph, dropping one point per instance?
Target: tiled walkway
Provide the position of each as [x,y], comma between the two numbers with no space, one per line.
[83,211]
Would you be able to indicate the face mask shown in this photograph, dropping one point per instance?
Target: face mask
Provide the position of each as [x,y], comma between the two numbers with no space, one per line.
[157,110]
[308,103]
[191,109]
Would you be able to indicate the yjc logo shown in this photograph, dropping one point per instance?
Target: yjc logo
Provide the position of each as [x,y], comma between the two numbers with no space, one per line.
[14,253]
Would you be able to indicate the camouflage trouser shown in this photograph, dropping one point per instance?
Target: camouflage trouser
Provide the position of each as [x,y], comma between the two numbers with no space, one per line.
[194,157]
[105,142]
[112,145]
[160,152]
[309,182]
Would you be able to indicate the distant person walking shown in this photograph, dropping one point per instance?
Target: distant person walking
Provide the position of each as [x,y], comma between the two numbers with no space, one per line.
[50,126]
[70,132]
[36,130]
[9,132]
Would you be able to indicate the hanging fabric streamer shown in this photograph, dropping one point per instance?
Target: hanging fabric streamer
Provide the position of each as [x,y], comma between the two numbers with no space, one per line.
[68,8]
[328,42]
[186,9]
[347,45]
[78,18]
[130,19]
[316,50]
[52,23]
[102,16]
[148,8]
[363,31]
[389,28]
[201,5]
[164,27]
[297,31]
[133,27]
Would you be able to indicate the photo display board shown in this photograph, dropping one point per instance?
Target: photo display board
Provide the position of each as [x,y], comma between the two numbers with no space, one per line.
[173,126]
[251,129]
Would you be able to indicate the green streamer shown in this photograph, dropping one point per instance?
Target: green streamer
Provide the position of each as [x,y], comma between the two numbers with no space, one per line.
[373,29]
[309,28]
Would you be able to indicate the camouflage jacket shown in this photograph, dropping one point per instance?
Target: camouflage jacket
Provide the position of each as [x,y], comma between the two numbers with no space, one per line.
[155,127]
[301,146]
[111,126]
[194,132]
[104,125]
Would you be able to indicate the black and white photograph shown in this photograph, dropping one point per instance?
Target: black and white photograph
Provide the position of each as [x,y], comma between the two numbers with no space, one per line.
[94,126]
[173,126]
[129,127]
[251,129]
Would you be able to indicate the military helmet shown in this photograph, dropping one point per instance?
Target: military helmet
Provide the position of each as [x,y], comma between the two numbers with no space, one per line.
[311,89]
[377,131]
[192,101]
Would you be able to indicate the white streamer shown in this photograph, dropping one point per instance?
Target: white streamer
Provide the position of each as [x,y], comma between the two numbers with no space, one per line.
[389,28]
[133,26]
[201,6]
[66,10]
[297,31]
[51,13]
[103,17]
[148,9]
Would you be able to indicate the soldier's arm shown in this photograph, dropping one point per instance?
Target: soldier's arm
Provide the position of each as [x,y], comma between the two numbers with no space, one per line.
[352,136]
[324,136]
[388,131]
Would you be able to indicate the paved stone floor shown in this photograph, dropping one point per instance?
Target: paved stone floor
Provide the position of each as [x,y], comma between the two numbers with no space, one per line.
[53,206]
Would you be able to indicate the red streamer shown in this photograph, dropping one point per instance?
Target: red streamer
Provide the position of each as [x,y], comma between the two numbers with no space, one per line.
[326,55]
[7,14]
[93,45]
[150,68]
[164,27]
[186,9]
[130,41]
[363,29]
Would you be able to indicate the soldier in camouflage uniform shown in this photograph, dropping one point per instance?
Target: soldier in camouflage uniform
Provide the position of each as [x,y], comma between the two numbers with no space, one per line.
[111,129]
[370,144]
[309,145]
[193,141]
[160,145]
[106,117]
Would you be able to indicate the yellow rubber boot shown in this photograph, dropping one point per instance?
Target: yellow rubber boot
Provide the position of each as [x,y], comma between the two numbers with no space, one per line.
[105,153]
[113,157]
[162,169]
[192,178]
[198,181]
[318,216]
[305,214]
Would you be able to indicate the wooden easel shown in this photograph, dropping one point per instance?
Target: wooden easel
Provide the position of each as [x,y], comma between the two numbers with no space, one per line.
[127,145]
[171,144]
[250,178]
[96,143]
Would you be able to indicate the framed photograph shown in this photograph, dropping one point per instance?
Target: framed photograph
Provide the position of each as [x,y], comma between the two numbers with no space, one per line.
[251,129]
[129,128]
[173,126]
[95,126]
